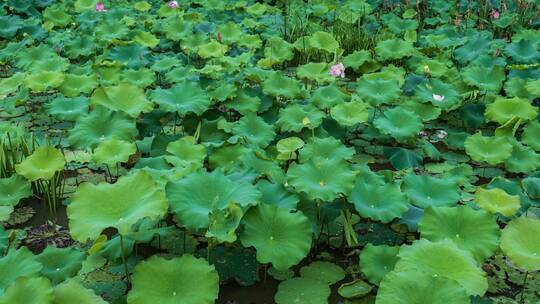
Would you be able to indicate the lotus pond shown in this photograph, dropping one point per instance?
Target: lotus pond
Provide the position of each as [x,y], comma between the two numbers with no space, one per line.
[238,152]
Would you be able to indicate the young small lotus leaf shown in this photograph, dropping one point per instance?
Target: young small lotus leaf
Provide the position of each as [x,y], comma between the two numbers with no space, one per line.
[186,280]
[496,200]
[394,49]
[295,117]
[71,292]
[425,191]
[379,202]
[302,291]
[349,114]
[124,97]
[42,164]
[520,241]
[184,97]
[323,41]
[531,133]
[443,259]
[289,145]
[505,109]
[223,223]
[60,264]
[378,91]
[321,179]
[279,236]
[17,263]
[29,290]
[120,205]
[413,286]
[492,150]
[377,261]
[473,230]
[113,151]
[326,272]
[400,123]
[13,189]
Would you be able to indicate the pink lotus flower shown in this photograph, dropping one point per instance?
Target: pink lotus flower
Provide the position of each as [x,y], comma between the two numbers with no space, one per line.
[495,14]
[338,70]
[172,4]
[441,134]
[438,97]
[100,7]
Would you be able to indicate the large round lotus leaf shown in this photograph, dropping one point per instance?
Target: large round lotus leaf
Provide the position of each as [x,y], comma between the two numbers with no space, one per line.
[496,200]
[302,291]
[400,123]
[473,230]
[120,205]
[434,88]
[60,264]
[314,71]
[289,145]
[443,259]
[276,50]
[505,109]
[254,130]
[379,202]
[329,96]
[68,108]
[278,84]
[71,292]
[196,195]
[323,41]
[325,148]
[13,189]
[295,117]
[212,49]
[123,97]
[492,150]
[183,97]
[523,159]
[100,125]
[486,79]
[186,151]
[531,133]
[321,179]
[356,59]
[40,81]
[185,280]
[425,191]
[520,241]
[75,84]
[326,272]
[377,261]
[351,113]
[42,164]
[522,51]
[394,49]
[17,263]
[113,151]
[378,91]
[280,237]
[27,290]
[416,287]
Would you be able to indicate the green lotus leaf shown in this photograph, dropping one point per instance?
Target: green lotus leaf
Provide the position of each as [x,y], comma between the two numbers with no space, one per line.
[317,72]
[473,230]
[186,151]
[443,259]
[9,25]
[142,77]
[295,117]
[223,223]
[276,50]
[131,55]
[425,191]
[486,79]
[165,64]
[60,264]
[327,148]
[195,196]
[289,145]
[532,87]
[430,90]
[378,91]
[278,84]
[277,194]
[329,96]
[531,185]
[321,179]
[492,150]
[416,287]
[177,28]
[356,59]
[17,263]
[523,159]
[28,290]
[230,32]
[522,51]
[477,44]
[254,130]
[57,15]
[323,41]
[75,85]
[113,151]
[226,157]
[146,39]
[212,49]
[68,108]
[13,189]
[351,113]
[40,81]
[280,237]
[497,200]
[5,212]
[186,280]
[520,241]
[377,261]
[531,133]
[30,57]
[123,97]
[120,205]
[516,87]
[11,84]
[400,123]
[71,292]
[505,109]
[379,202]
[394,49]
[326,272]
[355,289]
[184,98]
[100,125]
[302,291]
[42,164]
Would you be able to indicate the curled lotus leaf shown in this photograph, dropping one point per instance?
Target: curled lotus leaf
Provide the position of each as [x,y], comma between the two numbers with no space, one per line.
[278,84]
[377,261]
[327,148]
[329,96]
[68,108]
[323,41]
[531,133]
[42,164]
[254,130]
[523,159]
[523,51]
[503,110]
[485,79]
[520,241]
[75,84]
[113,151]
[314,71]
[212,49]
[40,81]
[124,97]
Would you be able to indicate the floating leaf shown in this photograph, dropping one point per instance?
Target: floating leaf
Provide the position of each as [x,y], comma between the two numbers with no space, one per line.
[505,109]
[520,240]
[492,150]
[302,291]
[326,272]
